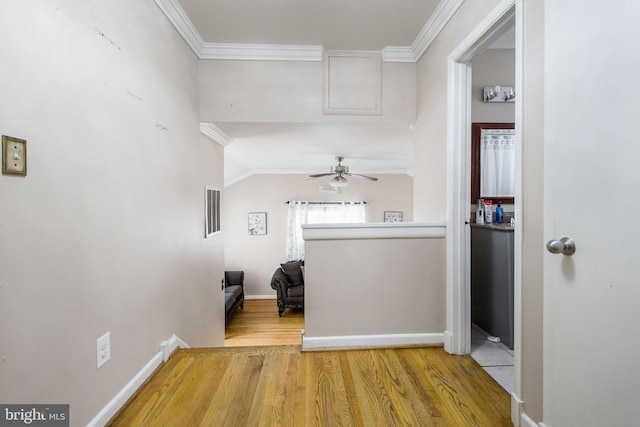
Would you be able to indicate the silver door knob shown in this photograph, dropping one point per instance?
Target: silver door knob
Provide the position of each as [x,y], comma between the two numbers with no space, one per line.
[564,246]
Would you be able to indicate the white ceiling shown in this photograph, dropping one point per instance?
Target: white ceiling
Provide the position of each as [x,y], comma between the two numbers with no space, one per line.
[333,24]
[368,147]
[311,148]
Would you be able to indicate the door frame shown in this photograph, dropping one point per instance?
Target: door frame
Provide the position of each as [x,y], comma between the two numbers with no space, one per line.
[457,337]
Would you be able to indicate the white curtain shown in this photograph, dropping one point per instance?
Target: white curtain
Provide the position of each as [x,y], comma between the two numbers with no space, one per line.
[317,213]
[497,162]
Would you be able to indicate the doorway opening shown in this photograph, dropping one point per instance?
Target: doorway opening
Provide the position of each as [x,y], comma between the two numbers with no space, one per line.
[492,245]
[258,324]
[458,333]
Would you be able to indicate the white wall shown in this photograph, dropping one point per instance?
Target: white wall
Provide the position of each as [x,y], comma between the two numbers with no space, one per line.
[105,233]
[493,67]
[430,141]
[259,256]
[285,91]
[392,287]
[430,165]
[532,202]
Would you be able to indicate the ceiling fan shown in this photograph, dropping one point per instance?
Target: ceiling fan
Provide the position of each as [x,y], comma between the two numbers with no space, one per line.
[340,171]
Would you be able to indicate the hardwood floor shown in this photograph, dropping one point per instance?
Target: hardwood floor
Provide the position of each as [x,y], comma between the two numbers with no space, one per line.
[259,324]
[282,386]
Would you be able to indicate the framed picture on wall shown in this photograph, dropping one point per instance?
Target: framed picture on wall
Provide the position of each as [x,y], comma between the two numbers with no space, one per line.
[257,223]
[392,216]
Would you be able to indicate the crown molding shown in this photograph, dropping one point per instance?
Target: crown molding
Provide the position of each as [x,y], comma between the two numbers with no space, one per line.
[443,13]
[238,51]
[215,133]
[398,54]
[178,17]
[308,53]
[262,52]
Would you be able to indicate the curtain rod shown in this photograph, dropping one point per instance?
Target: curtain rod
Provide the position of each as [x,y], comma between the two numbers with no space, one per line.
[328,203]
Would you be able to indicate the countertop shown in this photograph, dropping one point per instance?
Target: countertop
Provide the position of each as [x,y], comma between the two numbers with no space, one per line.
[498,227]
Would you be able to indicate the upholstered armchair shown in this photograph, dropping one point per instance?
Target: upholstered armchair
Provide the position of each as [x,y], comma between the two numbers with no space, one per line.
[233,293]
[288,281]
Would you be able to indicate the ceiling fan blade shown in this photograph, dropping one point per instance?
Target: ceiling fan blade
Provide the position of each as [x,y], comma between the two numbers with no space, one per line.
[357,175]
[318,175]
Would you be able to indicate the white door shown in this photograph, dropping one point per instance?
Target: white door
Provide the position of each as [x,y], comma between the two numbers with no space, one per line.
[592,194]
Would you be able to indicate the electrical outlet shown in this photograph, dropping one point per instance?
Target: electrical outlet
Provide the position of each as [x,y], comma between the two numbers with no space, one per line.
[104,349]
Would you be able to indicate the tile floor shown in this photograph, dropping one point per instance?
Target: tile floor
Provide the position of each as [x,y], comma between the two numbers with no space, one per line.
[495,358]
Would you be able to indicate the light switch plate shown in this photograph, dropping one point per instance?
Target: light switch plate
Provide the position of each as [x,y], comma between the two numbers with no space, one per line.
[14,156]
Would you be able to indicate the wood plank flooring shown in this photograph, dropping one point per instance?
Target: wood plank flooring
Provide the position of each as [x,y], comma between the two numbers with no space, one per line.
[258,323]
[282,386]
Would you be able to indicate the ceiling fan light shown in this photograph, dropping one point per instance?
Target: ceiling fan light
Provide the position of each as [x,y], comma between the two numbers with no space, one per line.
[339,181]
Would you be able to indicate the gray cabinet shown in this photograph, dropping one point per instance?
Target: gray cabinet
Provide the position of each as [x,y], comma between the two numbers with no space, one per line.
[492,280]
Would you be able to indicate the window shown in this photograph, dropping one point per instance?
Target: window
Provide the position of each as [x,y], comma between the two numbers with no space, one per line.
[211,211]
[318,213]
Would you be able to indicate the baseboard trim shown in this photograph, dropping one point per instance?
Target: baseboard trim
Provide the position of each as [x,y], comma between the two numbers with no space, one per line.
[517,407]
[166,349]
[371,341]
[525,421]
[448,342]
[172,344]
[271,296]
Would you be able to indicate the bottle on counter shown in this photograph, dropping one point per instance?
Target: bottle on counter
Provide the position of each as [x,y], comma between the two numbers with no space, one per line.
[480,212]
[499,213]
[488,213]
